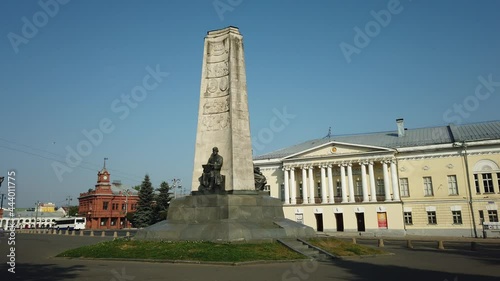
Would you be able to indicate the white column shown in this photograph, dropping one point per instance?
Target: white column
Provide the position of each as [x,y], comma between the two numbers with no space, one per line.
[373,187]
[304,185]
[363,182]
[287,190]
[324,200]
[387,187]
[350,183]
[342,183]
[395,185]
[331,199]
[311,185]
[293,187]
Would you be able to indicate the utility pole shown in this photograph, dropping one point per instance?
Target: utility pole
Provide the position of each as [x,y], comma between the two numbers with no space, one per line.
[68,201]
[1,206]
[1,180]
[36,214]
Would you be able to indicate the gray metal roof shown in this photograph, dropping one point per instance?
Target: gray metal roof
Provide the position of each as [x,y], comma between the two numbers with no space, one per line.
[475,132]
[413,137]
[116,189]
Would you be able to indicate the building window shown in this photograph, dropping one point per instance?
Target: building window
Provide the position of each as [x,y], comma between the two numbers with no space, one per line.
[493,215]
[380,187]
[403,185]
[498,179]
[339,189]
[124,207]
[487,183]
[359,188]
[104,221]
[452,185]
[319,189]
[476,183]
[300,191]
[267,187]
[431,217]
[105,205]
[408,218]
[282,192]
[113,221]
[114,206]
[428,187]
[457,217]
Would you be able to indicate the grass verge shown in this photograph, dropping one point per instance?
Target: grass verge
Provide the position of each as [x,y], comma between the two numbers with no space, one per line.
[342,248]
[192,251]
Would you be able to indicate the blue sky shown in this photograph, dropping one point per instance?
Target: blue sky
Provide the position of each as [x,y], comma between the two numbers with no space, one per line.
[68,74]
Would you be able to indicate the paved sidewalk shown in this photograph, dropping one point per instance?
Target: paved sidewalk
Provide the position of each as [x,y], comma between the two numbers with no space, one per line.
[408,237]
[35,261]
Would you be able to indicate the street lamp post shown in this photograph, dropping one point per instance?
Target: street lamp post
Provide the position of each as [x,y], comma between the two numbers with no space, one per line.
[126,207]
[176,183]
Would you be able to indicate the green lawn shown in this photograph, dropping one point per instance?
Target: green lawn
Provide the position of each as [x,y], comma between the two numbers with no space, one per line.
[193,251]
[342,248]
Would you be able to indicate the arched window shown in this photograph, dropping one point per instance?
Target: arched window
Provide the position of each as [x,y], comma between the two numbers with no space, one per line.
[486,166]
[486,176]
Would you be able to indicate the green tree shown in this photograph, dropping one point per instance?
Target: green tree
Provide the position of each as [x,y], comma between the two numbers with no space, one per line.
[73,211]
[144,215]
[162,202]
[130,218]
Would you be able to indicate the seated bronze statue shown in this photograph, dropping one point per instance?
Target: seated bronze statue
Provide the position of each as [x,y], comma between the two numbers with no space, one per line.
[260,179]
[211,181]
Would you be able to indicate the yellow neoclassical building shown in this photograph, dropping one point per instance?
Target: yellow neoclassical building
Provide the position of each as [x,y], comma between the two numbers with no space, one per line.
[426,181]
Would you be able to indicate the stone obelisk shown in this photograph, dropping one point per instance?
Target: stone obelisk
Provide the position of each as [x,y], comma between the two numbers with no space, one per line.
[223,119]
[239,213]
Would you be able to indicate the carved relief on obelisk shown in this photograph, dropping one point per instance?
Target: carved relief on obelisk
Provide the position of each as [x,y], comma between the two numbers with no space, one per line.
[223,119]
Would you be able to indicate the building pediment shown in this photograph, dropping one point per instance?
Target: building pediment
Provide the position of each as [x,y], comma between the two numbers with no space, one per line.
[332,149]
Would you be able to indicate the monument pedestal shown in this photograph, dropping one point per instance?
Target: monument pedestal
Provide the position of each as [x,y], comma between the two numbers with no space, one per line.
[252,217]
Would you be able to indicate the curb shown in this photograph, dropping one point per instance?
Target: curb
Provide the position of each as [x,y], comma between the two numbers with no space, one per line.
[188,261]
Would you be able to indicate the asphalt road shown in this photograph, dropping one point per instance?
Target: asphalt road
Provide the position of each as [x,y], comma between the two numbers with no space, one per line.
[34,254]
[119,232]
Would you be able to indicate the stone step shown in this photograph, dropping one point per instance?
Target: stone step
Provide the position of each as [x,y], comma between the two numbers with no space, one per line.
[300,248]
[305,249]
[310,252]
[298,245]
[322,257]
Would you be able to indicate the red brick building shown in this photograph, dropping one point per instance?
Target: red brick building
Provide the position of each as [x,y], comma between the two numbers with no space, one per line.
[106,206]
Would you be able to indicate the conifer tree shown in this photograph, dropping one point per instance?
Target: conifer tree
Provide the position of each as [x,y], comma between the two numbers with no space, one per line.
[144,216]
[162,202]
